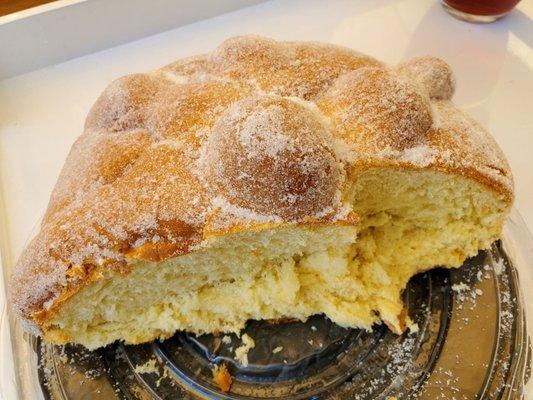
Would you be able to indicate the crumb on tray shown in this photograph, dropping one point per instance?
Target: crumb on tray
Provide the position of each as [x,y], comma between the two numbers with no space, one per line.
[241,352]
[222,377]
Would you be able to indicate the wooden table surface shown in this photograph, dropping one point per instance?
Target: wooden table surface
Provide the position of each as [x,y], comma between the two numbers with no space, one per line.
[11,6]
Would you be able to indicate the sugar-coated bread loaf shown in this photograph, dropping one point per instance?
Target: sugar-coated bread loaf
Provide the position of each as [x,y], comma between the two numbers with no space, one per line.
[263,180]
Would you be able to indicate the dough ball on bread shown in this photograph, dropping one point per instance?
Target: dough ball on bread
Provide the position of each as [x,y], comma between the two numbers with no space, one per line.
[274,156]
[377,109]
[125,104]
[432,74]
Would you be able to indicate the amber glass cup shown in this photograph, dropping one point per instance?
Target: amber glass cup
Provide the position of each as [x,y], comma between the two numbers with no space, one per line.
[481,11]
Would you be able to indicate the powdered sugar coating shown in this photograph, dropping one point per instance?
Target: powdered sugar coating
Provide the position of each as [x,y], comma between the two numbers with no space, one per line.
[169,155]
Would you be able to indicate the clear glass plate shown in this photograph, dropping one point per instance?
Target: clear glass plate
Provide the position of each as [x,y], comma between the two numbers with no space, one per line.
[472,343]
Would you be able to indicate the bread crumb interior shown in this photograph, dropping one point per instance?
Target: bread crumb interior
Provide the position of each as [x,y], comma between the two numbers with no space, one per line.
[410,221]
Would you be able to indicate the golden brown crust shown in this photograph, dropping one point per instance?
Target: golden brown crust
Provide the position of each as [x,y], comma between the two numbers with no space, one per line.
[96,159]
[257,134]
[286,68]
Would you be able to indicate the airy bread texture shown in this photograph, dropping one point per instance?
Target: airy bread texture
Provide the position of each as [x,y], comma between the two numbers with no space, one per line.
[265,180]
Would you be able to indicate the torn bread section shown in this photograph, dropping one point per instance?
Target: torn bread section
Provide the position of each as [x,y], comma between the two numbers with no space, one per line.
[410,221]
[234,278]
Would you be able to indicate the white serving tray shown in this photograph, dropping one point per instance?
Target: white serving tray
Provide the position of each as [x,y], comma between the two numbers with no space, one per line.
[42,112]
